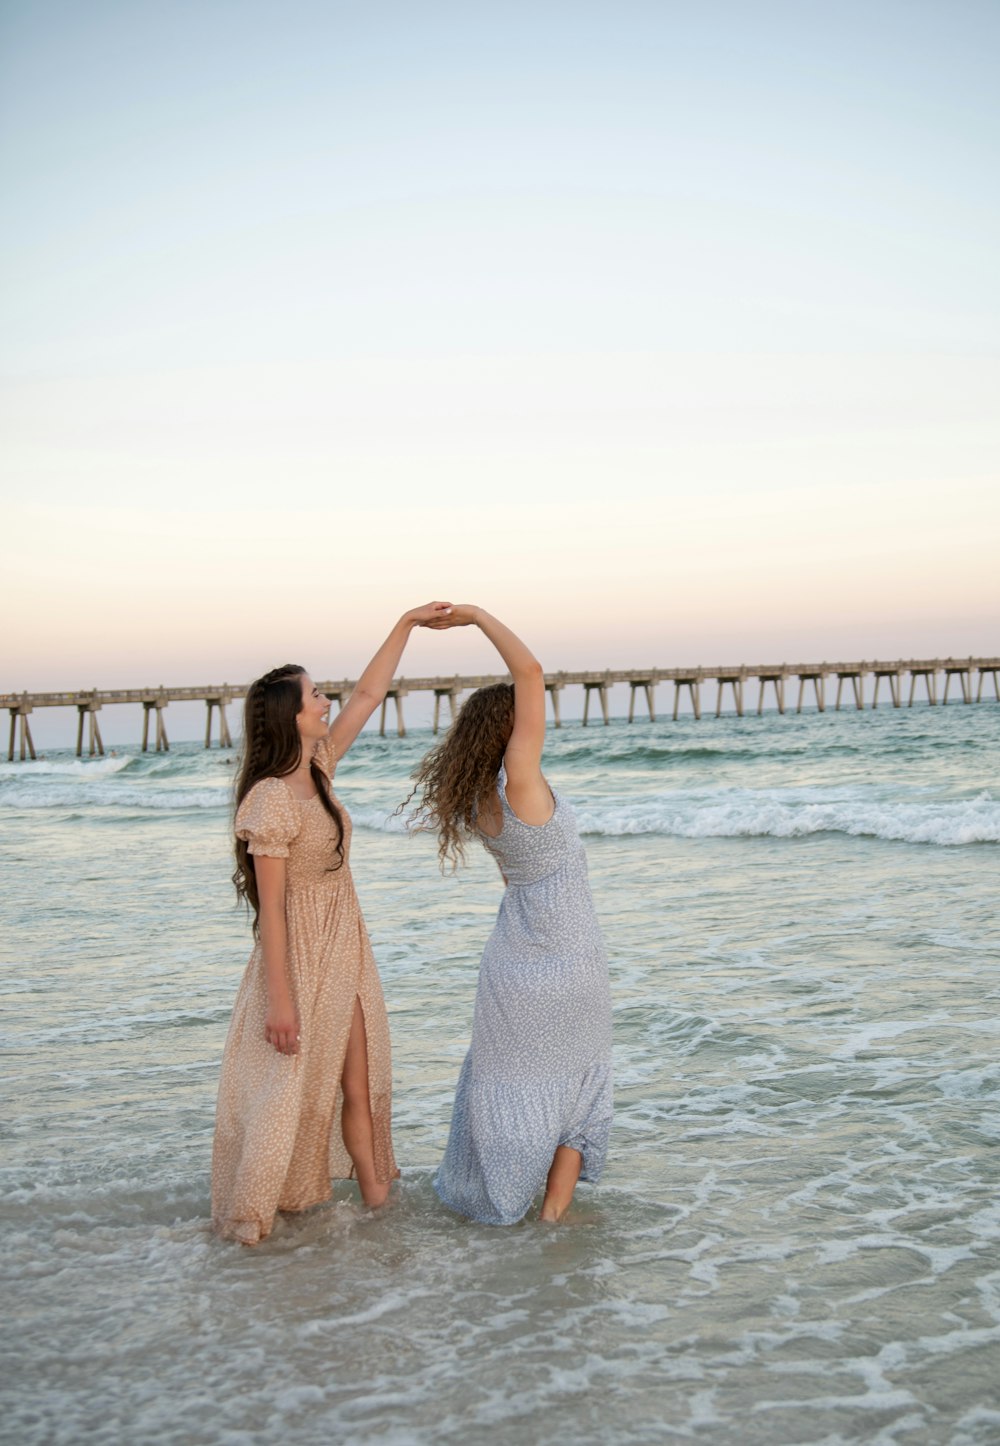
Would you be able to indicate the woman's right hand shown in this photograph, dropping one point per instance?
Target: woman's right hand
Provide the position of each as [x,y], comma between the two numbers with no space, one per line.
[460,616]
[431,615]
[281,1027]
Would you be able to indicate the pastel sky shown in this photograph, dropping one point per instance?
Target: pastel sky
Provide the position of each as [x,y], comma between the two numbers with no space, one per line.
[666,331]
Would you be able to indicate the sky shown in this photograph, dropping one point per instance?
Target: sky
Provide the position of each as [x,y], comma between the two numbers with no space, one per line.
[667,332]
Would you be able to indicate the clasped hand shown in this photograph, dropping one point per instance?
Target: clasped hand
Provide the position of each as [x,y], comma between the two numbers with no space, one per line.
[449,615]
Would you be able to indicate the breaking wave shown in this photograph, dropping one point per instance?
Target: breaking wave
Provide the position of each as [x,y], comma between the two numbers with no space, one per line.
[745,813]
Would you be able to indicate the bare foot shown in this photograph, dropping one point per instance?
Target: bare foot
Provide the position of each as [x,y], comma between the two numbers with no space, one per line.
[378,1193]
[559,1187]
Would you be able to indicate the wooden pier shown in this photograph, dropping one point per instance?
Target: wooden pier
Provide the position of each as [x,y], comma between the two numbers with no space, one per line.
[970,676]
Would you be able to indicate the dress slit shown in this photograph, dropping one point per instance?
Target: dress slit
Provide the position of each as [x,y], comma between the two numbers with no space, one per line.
[358,1004]
[279,1140]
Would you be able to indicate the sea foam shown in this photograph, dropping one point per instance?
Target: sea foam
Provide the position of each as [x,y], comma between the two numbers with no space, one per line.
[83,770]
[777,813]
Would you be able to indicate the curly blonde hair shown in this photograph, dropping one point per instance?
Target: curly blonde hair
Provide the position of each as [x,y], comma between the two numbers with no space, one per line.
[461,771]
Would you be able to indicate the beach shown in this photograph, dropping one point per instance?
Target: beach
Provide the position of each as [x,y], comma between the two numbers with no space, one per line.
[796,1237]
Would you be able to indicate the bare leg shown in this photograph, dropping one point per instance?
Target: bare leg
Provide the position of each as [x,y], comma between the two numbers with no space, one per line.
[356,1113]
[559,1187]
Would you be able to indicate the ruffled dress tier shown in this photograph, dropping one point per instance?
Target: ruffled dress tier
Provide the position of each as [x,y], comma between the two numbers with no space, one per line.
[278,1141]
[538,1071]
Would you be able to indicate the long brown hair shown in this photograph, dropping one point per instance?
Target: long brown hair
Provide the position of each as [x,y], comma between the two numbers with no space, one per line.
[457,775]
[272,748]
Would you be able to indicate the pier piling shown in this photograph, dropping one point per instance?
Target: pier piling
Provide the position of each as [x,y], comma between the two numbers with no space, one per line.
[19,722]
[451,692]
[155,705]
[692,682]
[818,679]
[893,675]
[777,678]
[963,671]
[219,701]
[89,708]
[647,686]
[929,676]
[854,675]
[553,689]
[984,673]
[397,695]
[601,689]
[736,682]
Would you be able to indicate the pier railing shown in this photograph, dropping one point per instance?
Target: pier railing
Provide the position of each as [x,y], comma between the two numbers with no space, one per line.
[969,675]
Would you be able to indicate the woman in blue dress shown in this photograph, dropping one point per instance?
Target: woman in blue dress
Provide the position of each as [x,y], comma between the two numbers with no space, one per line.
[533,1107]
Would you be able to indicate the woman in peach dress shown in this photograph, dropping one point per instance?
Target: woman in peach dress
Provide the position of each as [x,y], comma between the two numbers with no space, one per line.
[305,1090]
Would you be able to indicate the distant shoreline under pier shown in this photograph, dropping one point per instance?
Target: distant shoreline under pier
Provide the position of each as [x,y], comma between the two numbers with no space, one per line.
[969,676]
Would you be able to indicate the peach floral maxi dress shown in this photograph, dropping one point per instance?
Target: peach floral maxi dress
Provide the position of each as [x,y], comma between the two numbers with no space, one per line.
[277,1133]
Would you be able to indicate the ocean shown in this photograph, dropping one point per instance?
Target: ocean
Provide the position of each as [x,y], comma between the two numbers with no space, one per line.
[797,1237]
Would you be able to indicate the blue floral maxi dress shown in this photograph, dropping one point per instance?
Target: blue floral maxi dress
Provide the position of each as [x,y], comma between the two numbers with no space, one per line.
[538,1071]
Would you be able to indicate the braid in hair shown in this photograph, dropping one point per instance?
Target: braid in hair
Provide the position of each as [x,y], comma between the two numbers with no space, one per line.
[272,748]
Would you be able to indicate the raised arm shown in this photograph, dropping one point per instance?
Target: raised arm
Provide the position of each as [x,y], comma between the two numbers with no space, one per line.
[374,682]
[527,791]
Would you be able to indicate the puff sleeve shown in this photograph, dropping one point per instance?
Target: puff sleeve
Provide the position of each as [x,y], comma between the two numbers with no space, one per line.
[268,819]
[326,756]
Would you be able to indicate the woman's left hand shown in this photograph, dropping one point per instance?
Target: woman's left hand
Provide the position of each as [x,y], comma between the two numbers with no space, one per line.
[459,615]
[431,615]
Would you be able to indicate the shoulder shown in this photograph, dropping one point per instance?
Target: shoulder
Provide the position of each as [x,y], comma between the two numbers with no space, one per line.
[266,793]
[325,756]
[526,792]
[268,814]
